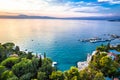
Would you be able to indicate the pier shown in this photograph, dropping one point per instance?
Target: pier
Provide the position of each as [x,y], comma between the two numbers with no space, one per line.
[99,39]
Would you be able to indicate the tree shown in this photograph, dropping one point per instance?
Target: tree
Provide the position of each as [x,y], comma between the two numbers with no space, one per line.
[72,73]
[46,67]
[109,67]
[23,67]
[57,75]
[3,55]
[40,62]
[29,55]
[22,54]
[99,76]
[91,74]
[13,78]
[44,55]
[118,58]
[35,67]
[2,69]
[105,61]
[95,62]
[17,48]
[9,46]
[28,67]
[7,74]
[9,62]
[84,74]
[108,46]
[102,48]
[26,76]
[41,76]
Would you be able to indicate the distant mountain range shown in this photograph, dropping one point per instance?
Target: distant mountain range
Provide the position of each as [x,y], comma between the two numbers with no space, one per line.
[110,18]
[26,17]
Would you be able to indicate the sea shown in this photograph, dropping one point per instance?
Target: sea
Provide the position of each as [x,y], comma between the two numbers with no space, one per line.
[58,38]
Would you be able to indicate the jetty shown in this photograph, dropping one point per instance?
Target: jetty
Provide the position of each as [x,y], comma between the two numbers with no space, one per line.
[109,38]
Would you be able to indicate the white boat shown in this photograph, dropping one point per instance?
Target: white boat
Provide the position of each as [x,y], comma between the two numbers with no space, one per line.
[54,63]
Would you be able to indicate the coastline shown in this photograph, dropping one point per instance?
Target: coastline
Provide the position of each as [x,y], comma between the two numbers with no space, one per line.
[82,65]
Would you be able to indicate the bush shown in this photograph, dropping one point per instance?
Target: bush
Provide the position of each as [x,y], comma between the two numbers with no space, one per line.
[9,45]
[72,74]
[2,69]
[57,75]
[26,76]
[23,67]
[41,76]
[7,74]
[9,62]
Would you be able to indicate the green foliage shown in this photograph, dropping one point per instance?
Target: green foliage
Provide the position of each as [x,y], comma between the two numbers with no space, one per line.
[118,58]
[57,75]
[72,74]
[34,79]
[108,46]
[2,69]
[41,76]
[9,46]
[102,48]
[22,54]
[46,67]
[9,62]
[13,78]
[7,74]
[2,53]
[91,74]
[29,55]
[17,49]
[99,76]
[5,50]
[26,76]
[47,61]
[34,64]
[84,75]
[23,67]
[104,63]
[108,66]
[40,62]
[95,63]
[28,67]
[117,48]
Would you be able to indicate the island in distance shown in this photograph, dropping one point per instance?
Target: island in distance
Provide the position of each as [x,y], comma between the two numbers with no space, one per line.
[22,16]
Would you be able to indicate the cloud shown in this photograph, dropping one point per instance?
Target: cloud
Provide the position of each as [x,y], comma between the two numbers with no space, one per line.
[92,9]
[53,7]
[104,0]
[110,1]
[86,7]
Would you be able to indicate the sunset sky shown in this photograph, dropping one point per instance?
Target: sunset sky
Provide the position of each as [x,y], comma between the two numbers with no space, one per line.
[61,8]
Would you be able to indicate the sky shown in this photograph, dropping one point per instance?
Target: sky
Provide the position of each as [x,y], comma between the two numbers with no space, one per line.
[62,8]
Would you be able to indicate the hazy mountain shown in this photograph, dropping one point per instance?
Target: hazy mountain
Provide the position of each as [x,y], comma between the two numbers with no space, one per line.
[22,16]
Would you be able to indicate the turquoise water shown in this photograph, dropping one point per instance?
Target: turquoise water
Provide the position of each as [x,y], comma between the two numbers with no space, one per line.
[58,38]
